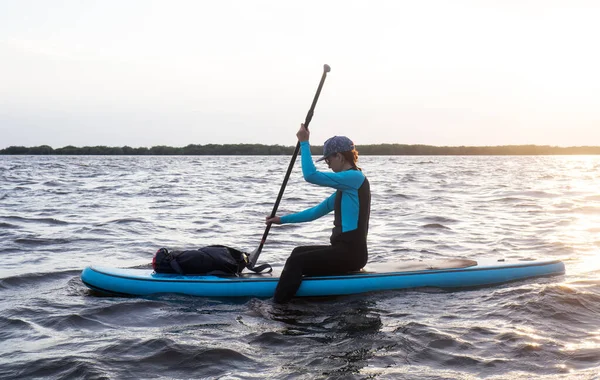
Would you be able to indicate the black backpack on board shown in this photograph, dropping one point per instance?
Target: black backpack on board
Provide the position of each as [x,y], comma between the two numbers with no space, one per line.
[212,260]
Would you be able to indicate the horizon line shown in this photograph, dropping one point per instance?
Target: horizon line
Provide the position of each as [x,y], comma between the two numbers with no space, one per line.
[292,146]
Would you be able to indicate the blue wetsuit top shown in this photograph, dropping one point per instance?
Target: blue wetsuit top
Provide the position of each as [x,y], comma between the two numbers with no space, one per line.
[351,201]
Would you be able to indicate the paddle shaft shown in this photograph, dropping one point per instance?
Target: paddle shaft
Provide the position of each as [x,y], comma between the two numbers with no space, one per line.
[309,115]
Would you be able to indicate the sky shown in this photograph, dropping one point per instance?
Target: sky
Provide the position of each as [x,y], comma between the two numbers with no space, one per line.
[175,72]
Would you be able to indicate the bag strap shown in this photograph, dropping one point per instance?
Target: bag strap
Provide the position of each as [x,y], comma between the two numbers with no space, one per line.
[256,269]
[175,265]
[171,260]
[260,268]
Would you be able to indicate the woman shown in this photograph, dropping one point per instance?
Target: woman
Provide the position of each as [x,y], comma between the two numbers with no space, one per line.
[351,203]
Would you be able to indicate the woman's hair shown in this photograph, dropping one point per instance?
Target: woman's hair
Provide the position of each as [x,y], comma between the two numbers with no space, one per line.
[352,157]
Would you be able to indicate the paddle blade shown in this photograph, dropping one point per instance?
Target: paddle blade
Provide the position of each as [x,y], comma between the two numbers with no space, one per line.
[253,257]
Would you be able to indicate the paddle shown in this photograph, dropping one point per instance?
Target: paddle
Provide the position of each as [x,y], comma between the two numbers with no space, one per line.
[254,255]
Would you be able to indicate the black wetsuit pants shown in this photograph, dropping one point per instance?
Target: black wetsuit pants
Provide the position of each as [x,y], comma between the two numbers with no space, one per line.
[318,260]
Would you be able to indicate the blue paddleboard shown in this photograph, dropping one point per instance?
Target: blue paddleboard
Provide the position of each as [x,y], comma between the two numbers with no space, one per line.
[450,273]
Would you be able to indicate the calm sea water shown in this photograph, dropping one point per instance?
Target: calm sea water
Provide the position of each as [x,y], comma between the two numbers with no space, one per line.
[60,214]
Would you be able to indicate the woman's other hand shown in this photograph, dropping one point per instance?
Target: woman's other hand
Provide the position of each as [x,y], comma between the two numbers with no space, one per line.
[273,220]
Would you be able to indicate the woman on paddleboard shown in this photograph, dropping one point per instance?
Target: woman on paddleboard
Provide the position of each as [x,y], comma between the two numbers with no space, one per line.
[351,203]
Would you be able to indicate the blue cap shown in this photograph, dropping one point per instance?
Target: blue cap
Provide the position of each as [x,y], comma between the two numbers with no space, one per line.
[336,144]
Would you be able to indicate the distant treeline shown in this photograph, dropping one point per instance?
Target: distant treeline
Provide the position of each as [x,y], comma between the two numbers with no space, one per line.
[260,149]
[160,150]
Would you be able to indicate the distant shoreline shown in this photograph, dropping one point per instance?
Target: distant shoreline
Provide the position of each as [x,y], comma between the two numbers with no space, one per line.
[274,150]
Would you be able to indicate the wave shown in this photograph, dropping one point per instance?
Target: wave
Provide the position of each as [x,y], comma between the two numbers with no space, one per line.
[13,328]
[528,205]
[43,241]
[408,178]
[539,194]
[435,226]
[53,183]
[34,279]
[123,221]
[439,219]
[8,225]
[72,322]
[586,210]
[50,221]
[393,193]
[509,200]
[189,357]
[64,367]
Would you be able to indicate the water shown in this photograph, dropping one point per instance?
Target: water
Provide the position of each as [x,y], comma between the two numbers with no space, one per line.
[60,214]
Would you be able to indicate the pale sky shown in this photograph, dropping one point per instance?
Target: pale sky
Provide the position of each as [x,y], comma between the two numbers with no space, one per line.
[436,72]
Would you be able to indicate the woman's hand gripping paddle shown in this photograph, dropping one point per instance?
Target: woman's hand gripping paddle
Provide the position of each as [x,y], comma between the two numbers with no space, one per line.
[254,255]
